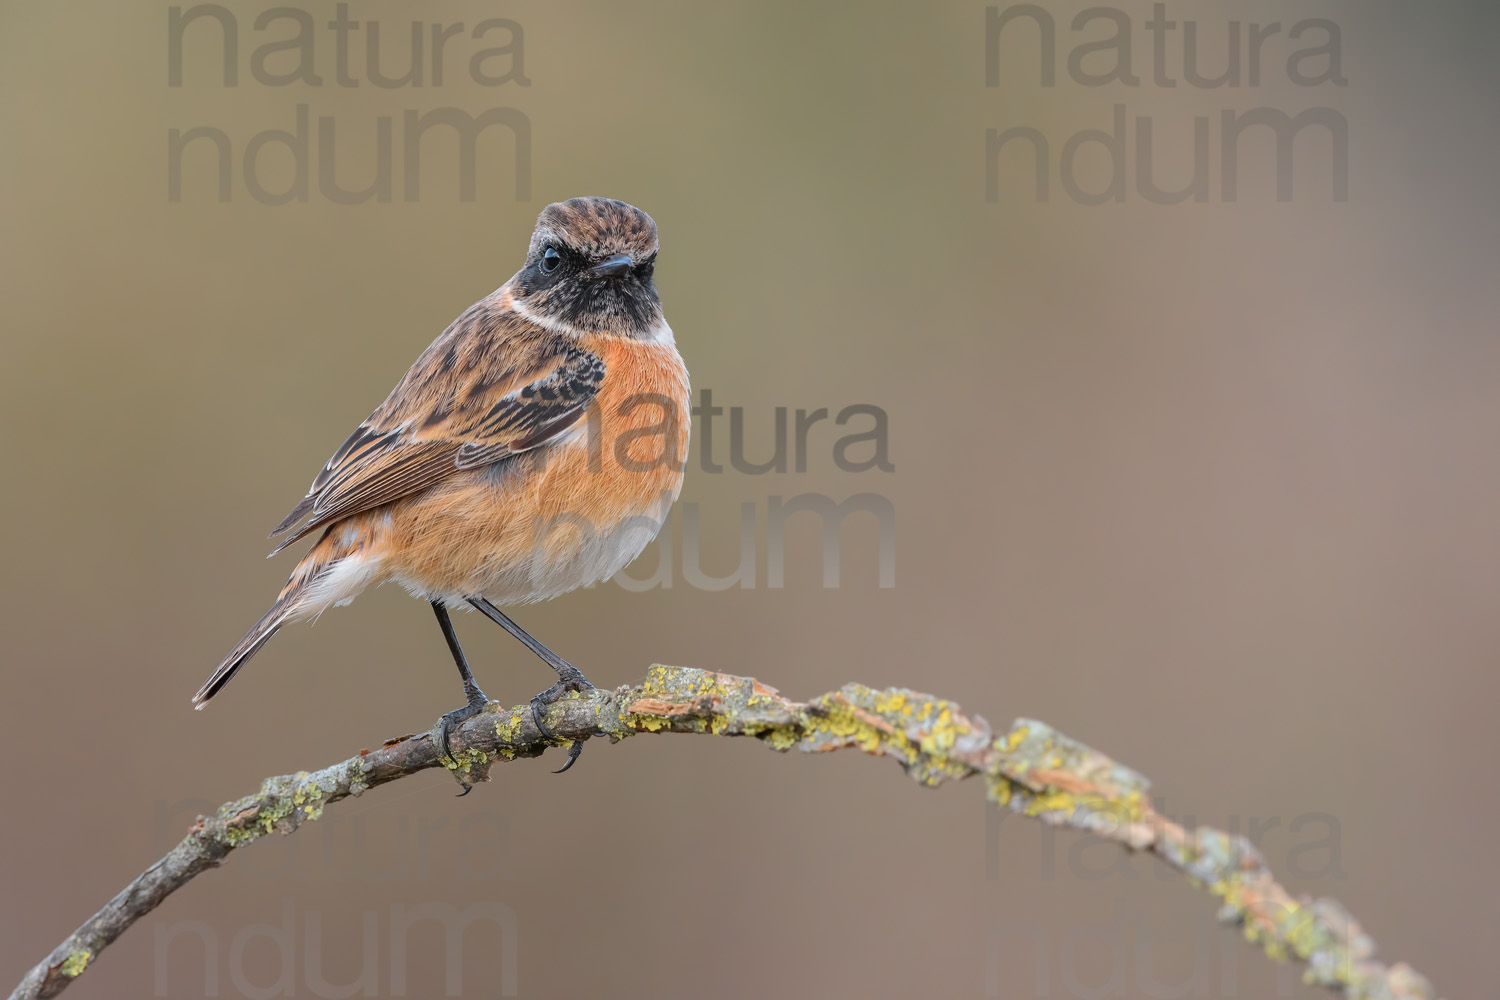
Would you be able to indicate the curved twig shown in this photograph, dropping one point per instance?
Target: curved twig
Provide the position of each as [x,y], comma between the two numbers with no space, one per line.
[1031,768]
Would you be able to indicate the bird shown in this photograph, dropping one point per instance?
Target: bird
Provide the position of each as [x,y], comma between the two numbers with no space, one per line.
[534,447]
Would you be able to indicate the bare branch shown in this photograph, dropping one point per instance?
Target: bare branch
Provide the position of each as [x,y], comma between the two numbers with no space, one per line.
[1031,769]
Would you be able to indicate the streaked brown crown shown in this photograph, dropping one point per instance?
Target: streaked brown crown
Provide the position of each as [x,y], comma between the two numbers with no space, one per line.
[584,233]
[595,227]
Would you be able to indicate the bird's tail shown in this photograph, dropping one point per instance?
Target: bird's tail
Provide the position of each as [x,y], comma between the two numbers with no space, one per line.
[332,572]
[244,649]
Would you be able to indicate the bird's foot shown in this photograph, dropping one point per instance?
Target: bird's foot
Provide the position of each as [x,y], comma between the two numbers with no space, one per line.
[569,678]
[451,721]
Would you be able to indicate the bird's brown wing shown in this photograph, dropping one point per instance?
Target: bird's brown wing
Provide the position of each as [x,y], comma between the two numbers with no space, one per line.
[493,385]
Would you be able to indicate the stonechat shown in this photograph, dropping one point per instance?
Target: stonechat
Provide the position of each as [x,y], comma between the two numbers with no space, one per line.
[533,448]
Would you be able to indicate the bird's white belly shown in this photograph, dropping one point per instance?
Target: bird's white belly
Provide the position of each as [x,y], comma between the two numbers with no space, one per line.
[568,556]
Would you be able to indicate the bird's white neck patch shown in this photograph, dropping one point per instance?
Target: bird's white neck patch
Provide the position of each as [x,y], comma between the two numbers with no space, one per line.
[548,323]
[659,333]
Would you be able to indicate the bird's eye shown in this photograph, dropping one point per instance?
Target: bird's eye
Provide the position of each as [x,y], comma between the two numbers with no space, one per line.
[550,259]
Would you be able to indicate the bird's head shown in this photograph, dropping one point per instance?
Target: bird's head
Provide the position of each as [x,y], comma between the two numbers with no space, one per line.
[589,268]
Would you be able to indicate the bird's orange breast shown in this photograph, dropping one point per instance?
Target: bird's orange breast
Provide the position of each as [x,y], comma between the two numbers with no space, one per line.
[634,443]
[567,514]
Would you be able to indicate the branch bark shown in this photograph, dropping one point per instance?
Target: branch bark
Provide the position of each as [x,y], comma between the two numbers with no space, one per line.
[1030,768]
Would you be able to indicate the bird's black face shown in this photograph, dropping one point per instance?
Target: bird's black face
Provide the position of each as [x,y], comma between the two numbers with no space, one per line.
[589,268]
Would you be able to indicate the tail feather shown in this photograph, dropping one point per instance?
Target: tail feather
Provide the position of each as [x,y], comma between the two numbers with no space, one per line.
[243,650]
[334,570]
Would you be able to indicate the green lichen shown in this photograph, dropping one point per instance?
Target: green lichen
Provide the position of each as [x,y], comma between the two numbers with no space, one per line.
[1292,929]
[466,759]
[306,791]
[264,820]
[279,798]
[75,963]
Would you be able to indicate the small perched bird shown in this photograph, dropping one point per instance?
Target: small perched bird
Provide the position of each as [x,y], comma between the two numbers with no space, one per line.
[534,447]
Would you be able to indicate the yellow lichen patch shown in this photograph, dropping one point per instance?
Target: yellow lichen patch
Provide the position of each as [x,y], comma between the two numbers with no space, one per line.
[508,728]
[261,821]
[784,737]
[650,723]
[1279,935]
[660,680]
[919,731]
[1300,930]
[942,734]
[251,819]
[465,760]
[779,737]
[844,725]
[306,791]
[1051,801]
[75,963]
[1078,807]
[673,691]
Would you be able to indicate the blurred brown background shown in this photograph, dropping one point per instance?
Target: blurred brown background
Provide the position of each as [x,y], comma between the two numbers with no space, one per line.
[1210,486]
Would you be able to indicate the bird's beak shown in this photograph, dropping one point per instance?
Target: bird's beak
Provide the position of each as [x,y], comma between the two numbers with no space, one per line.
[620,263]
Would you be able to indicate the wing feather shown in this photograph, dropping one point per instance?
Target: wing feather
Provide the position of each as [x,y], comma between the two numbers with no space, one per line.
[492,386]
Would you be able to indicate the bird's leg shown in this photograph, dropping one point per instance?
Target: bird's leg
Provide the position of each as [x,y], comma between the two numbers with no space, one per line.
[474,697]
[569,677]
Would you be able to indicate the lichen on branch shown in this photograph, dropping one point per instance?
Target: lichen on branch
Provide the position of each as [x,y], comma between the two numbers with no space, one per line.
[1030,768]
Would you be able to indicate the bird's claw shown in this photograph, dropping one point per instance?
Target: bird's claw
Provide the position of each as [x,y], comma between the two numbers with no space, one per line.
[569,678]
[451,721]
